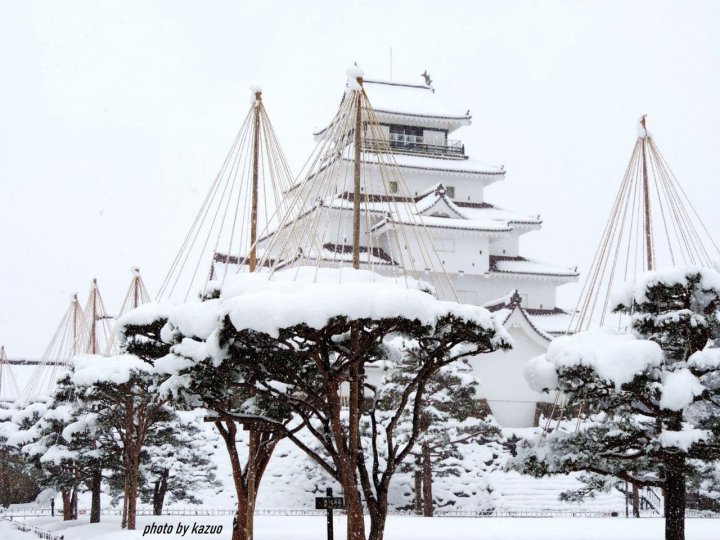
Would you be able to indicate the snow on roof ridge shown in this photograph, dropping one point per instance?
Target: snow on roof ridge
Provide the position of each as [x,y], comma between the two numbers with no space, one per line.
[549,270]
[512,215]
[437,193]
[420,86]
[504,300]
[437,164]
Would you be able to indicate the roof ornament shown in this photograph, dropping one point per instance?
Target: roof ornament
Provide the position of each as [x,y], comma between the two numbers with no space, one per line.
[427,78]
[515,299]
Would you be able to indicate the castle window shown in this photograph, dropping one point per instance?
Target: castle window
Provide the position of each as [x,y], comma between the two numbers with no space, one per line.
[450,191]
[406,135]
[393,187]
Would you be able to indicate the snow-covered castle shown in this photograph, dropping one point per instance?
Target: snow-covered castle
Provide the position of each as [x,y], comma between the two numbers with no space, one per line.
[478,243]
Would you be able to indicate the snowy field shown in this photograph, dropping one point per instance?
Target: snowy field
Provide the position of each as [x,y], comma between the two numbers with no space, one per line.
[398,528]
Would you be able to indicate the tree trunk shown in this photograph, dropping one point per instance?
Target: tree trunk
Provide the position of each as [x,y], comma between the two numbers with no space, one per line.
[636,500]
[159,492]
[355,515]
[675,500]
[74,503]
[417,502]
[67,505]
[228,431]
[96,485]
[427,480]
[253,450]
[132,495]
[123,524]
[348,472]
[377,523]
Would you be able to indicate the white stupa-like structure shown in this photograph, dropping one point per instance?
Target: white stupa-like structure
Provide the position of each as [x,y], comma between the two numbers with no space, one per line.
[475,242]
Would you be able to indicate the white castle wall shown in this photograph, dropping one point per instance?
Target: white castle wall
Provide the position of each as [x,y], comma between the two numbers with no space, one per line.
[502,381]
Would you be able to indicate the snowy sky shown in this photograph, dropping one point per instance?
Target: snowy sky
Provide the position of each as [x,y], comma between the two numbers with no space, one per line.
[115,116]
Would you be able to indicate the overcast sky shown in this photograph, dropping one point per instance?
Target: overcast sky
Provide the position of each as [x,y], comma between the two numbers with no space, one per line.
[115,116]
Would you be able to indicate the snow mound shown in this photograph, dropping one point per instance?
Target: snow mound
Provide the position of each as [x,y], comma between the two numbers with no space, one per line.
[311,296]
[615,357]
[92,369]
[637,291]
[679,389]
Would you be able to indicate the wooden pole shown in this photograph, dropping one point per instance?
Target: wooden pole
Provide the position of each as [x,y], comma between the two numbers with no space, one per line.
[329,494]
[93,333]
[254,196]
[76,305]
[646,201]
[356,191]
[136,288]
[254,436]
[355,371]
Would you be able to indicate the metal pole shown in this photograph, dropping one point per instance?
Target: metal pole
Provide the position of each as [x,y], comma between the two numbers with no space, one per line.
[254,197]
[329,493]
[356,192]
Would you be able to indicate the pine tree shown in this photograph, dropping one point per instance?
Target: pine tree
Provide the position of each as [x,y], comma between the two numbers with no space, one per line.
[222,389]
[291,346]
[451,416]
[56,436]
[121,394]
[177,461]
[20,481]
[655,393]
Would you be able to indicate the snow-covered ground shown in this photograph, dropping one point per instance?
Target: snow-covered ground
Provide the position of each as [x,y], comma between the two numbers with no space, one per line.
[292,481]
[398,528]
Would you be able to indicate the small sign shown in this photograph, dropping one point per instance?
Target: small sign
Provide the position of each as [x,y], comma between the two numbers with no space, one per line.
[329,503]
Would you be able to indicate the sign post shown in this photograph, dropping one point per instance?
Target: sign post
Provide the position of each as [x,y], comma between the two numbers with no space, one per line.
[329,503]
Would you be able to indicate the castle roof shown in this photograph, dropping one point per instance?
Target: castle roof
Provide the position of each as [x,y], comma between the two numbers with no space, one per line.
[548,323]
[505,264]
[411,99]
[411,104]
[433,208]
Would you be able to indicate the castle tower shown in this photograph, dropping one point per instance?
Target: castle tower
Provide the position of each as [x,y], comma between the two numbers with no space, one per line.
[429,180]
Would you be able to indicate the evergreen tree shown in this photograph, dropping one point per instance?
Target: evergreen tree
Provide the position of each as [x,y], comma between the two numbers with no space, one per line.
[451,416]
[220,388]
[177,462]
[20,481]
[121,393]
[46,434]
[655,392]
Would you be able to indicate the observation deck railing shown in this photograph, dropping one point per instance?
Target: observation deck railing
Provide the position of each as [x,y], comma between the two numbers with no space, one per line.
[416,145]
